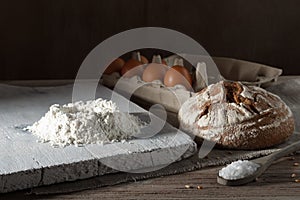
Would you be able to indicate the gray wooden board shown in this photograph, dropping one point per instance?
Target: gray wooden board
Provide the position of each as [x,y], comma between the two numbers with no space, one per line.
[26,163]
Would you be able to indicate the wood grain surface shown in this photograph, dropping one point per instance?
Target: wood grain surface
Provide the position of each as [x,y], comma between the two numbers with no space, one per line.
[26,163]
[275,183]
[49,39]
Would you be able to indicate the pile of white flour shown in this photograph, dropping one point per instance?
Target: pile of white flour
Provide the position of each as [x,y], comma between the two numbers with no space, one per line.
[97,121]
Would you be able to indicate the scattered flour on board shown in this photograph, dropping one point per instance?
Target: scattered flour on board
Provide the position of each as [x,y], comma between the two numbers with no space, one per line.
[96,121]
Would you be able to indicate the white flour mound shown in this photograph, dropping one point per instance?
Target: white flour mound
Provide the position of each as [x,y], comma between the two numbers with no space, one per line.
[97,121]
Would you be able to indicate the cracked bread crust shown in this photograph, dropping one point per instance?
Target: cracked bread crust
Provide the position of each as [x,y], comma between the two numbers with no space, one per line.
[236,116]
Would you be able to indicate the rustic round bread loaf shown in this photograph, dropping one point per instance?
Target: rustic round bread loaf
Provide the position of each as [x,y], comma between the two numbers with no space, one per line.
[236,116]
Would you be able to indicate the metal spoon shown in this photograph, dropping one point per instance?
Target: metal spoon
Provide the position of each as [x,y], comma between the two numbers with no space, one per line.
[264,163]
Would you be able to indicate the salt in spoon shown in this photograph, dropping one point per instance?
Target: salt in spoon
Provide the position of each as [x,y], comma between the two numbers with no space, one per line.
[264,163]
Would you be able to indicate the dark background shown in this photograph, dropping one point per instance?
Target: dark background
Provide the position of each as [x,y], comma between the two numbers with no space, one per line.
[48,39]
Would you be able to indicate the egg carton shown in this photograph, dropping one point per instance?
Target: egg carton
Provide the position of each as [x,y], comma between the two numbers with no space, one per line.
[155,92]
[149,93]
[248,73]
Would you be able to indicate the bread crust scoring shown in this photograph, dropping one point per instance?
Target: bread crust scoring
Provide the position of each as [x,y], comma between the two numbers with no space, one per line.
[236,116]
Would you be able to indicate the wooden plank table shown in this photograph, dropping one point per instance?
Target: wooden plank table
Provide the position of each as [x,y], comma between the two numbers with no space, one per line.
[276,183]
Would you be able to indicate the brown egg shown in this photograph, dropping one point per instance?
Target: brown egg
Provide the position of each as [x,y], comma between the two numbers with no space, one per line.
[115,66]
[144,60]
[128,68]
[154,71]
[178,75]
